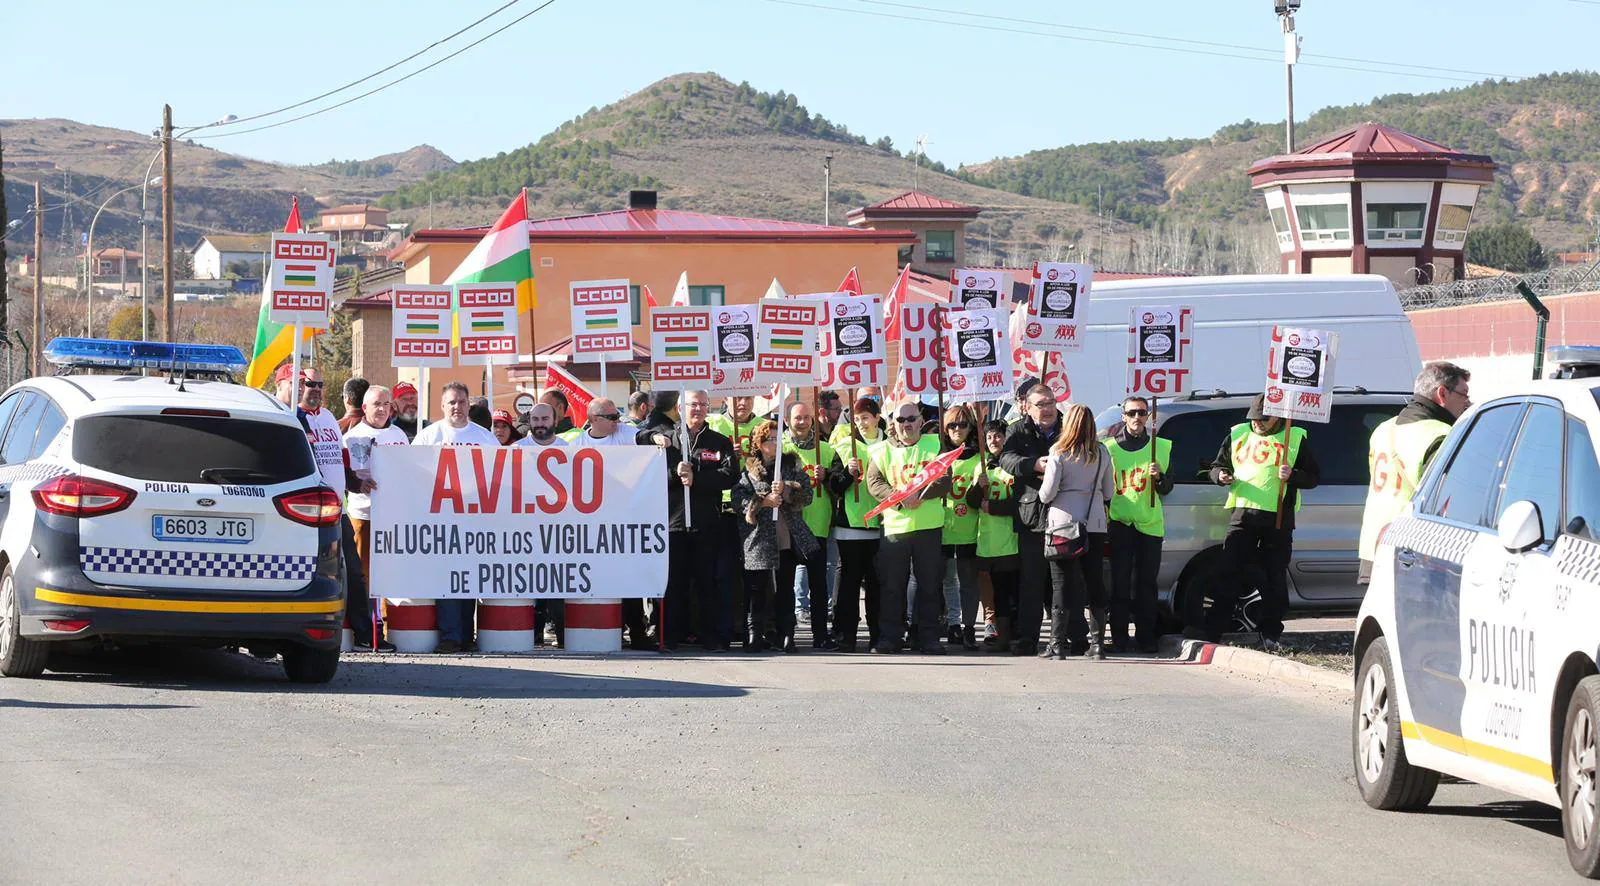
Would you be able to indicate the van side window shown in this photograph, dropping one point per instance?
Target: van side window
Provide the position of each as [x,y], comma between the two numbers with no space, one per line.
[1582,517]
[1196,437]
[1473,477]
[1534,473]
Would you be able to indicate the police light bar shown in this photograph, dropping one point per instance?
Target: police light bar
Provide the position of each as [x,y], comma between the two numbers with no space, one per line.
[115,354]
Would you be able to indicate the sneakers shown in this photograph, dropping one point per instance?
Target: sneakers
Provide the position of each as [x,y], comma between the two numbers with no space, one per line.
[447,647]
[989,632]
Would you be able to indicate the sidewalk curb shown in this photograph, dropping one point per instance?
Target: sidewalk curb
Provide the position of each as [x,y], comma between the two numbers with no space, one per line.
[1255,663]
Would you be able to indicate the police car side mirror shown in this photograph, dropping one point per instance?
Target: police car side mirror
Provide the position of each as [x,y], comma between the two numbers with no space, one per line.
[1520,528]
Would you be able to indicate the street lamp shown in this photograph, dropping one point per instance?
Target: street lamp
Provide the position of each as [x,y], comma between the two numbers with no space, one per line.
[827,185]
[1291,54]
[88,258]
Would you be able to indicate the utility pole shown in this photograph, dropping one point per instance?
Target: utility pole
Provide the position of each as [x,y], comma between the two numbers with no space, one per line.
[827,186]
[166,219]
[1291,54]
[38,278]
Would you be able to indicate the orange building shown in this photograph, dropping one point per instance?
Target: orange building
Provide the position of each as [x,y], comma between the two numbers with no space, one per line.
[729,260]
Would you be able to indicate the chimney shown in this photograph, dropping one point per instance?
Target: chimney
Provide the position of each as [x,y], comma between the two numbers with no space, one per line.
[641,199]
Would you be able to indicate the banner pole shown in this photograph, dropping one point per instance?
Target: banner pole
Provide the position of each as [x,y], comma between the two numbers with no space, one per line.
[1151,430]
[294,390]
[683,450]
[777,462]
[1283,485]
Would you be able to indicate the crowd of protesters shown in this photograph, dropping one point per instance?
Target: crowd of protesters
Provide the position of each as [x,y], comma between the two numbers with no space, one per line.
[1017,528]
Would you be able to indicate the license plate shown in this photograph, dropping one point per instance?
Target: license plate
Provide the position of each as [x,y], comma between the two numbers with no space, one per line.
[216,530]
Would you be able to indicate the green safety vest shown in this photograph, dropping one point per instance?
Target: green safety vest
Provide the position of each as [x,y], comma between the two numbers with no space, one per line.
[743,448]
[1395,461]
[997,536]
[569,436]
[1131,502]
[899,465]
[818,514]
[1255,467]
[961,521]
[858,500]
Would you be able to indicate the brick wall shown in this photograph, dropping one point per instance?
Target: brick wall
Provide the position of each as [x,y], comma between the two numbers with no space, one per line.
[369,348]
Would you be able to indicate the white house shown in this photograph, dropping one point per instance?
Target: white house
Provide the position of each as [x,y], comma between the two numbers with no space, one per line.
[217,251]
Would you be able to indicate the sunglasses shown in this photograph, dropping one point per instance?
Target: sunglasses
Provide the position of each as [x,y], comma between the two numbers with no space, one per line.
[958,426]
[608,416]
[908,421]
[311,384]
[1135,413]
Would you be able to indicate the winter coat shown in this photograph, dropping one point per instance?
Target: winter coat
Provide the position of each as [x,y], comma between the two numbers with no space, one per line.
[715,471]
[1076,492]
[1024,447]
[758,532]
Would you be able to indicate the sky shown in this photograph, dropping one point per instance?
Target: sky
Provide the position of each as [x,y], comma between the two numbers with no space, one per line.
[979,78]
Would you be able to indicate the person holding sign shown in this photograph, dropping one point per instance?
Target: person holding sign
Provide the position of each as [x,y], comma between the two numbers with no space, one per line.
[455,616]
[997,537]
[1264,464]
[1139,461]
[959,430]
[912,533]
[827,478]
[857,536]
[771,546]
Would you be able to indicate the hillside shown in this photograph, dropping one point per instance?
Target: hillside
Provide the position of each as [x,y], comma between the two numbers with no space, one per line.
[1544,132]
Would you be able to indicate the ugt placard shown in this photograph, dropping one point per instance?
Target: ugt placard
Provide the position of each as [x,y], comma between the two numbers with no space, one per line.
[733,372]
[979,288]
[1160,350]
[976,340]
[301,282]
[1060,306]
[850,348]
[1300,373]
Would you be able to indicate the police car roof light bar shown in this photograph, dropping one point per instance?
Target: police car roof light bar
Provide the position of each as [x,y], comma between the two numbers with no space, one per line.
[115,354]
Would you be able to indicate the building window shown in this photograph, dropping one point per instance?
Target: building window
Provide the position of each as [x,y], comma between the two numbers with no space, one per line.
[904,258]
[634,304]
[1280,226]
[940,246]
[706,296]
[1395,221]
[1453,221]
[1324,222]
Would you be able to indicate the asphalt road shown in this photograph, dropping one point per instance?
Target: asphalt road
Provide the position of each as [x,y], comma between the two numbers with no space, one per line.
[206,767]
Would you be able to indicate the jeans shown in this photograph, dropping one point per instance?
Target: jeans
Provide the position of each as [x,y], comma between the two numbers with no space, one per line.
[961,589]
[1135,563]
[900,557]
[455,621]
[806,596]
[816,589]
[857,570]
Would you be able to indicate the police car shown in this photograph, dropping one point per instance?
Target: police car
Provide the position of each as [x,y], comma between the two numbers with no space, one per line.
[1478,639]
[162,504]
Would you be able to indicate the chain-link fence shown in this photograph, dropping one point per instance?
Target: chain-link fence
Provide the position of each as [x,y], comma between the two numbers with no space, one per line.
[1553,281]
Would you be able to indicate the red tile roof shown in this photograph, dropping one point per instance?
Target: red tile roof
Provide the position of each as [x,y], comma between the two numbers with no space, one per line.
[914,203]
[1369,143]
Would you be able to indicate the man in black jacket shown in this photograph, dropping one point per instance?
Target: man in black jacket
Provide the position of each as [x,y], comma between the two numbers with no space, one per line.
[709,469]
[1264,465]
[1024,458]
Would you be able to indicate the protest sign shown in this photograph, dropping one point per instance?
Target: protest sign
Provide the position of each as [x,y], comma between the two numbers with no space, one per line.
[979,288]
[1160,350]
[602,321]
[420,327]
[459,522]
[1300,374]
[681,348]
[301,281]
[923,359]
[1059,307]
[733,372]
[578,396]
[976,340]
[486,318]
[786,341]
[850,344]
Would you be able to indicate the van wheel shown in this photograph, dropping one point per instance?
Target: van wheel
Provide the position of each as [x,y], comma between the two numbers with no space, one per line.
[1580,816]
[1386,778]
[303,664]
[19,656]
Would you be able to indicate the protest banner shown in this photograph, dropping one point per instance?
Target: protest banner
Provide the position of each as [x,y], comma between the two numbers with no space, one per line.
[976,340]
[733,373]
[786,341]
[301,280]
[979,288]
[578,396]
[1160,350]
[930,472]
[461,522]
[1059,307]
[681,348]
[1300,374]
[602,321]
[923,360]
[850,346]
[420,327]
[486,317]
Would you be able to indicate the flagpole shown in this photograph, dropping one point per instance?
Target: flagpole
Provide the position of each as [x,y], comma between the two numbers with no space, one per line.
[683,430]
[777,464]
[1283,485]
[294,389]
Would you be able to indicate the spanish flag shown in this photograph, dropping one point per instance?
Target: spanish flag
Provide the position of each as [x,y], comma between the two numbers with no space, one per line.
[274,341]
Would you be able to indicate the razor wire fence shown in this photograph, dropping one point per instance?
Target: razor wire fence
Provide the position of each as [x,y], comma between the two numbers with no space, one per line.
[1552,281]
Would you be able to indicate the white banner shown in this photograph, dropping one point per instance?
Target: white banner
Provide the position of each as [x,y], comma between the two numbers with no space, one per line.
[923,359]
[850,342]
[1160,350]
[301,281]
[976,338]
[733,373]
[420,327]
[467,521]
[1060,307]
[1300,373]
[980,288]
[681,348]
[486,322]
[602,321]
[786,341]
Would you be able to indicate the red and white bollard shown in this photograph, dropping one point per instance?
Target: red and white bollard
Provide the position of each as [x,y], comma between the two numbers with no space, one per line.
[413,625]
[347,637]
[505,626]
[593,626]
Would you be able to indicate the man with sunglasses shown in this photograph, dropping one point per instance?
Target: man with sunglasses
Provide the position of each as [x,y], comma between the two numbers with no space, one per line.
[1401,448]
[605,428]
[1137,524]
[912,534]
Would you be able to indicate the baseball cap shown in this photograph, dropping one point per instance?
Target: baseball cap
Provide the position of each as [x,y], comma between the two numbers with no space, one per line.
[504,415]
[403,388]
[286,372]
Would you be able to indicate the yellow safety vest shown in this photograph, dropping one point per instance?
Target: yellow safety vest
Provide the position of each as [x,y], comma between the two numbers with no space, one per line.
[819,514]
[1132,502]
[900,465]
[1255,467]
[1394,460]
[997,536]
[961,521]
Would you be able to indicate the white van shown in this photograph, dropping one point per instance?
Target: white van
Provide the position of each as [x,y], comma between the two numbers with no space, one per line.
[1234,317]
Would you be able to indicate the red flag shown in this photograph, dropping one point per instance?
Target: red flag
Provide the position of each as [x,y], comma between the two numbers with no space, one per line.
[892,303]
[578,396]
[649,297]
[851,283]
[931,471]
[293,225]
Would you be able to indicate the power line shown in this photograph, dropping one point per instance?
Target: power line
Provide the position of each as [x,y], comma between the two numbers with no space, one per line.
[397,64]
[1207,52]
[478,42]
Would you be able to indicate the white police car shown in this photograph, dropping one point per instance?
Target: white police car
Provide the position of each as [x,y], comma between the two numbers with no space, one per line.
[1477,643]
[171,507]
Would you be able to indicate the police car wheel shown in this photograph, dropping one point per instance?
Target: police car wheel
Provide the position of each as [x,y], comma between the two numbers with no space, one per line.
[19,656]
[302,664]
[1386,778]
[1580,796]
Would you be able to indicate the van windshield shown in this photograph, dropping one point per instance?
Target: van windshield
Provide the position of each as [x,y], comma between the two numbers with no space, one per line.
[193,449]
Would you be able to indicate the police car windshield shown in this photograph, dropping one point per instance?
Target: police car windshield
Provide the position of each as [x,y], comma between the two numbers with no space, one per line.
[193,449]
